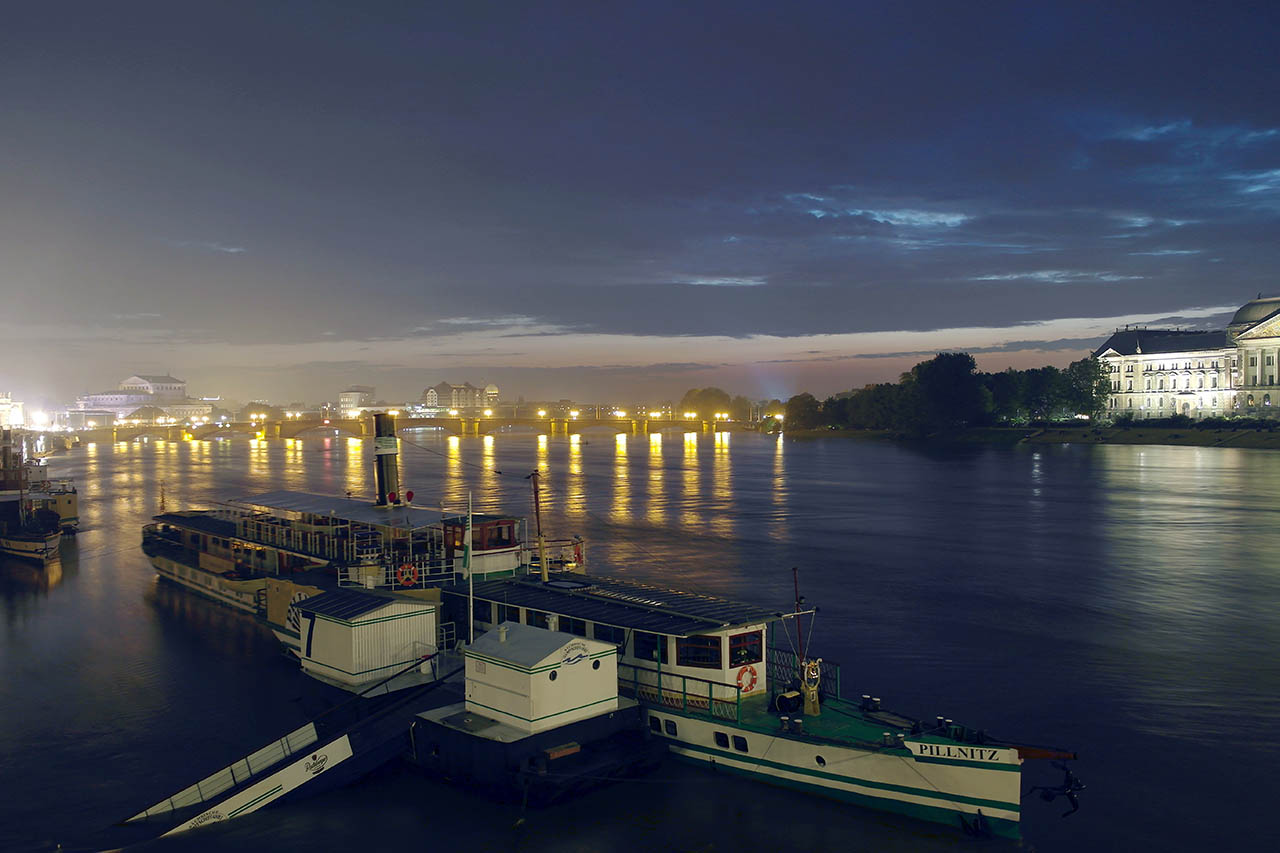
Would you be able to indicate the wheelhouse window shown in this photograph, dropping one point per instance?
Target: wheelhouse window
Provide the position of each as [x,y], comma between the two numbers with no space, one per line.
[608,634]
[577,627]
[507,613]
[746,648]
[649,646]
[703,651]
[483,611]
[536,618]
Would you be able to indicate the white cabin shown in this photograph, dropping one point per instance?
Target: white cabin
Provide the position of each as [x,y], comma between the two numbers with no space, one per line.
[352,639]
[533,680]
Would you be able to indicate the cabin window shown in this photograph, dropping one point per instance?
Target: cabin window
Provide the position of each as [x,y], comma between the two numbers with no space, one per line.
[670,727]
[701,650]
[650,646]
[536,618]
[483,611]
[722,740]
[746,648]
[577,627]
[507,613]
[655,725]
[608,634]
[740,743]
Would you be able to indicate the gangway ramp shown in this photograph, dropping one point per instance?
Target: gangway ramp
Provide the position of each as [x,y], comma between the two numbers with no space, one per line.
[334,749]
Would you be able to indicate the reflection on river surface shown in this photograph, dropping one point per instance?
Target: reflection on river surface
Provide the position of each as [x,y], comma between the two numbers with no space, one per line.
[1122,601]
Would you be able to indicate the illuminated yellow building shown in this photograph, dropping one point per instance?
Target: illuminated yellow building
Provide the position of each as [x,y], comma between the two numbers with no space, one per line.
[1155,373]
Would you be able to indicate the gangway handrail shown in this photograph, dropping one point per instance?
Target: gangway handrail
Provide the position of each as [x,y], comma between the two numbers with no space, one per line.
[227,778]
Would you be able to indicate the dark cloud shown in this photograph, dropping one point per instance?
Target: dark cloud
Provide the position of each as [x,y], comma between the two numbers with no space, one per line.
[294,172]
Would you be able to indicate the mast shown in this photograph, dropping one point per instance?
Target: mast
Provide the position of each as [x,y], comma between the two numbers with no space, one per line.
[537,517]
[795,577]
[471,584]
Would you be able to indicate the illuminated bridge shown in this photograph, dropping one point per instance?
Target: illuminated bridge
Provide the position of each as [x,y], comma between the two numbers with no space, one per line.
[360,427]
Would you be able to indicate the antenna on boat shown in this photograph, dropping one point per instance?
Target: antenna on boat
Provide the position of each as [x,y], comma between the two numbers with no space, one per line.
[471,585]
[537,517]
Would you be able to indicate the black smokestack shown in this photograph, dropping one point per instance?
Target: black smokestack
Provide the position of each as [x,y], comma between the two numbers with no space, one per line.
[386,473]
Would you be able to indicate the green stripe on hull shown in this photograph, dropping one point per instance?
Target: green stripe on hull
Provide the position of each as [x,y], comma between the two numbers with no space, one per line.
[934,814]
[976,802]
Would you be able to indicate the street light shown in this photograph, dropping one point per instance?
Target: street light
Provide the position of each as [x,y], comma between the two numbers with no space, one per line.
[542,413]
[488,413]
[693,416]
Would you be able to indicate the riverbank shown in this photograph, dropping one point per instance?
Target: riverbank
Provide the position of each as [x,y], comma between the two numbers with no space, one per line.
[1136,434]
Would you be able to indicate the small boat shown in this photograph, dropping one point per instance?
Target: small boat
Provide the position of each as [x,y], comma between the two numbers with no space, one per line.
[57,494]
[28,528]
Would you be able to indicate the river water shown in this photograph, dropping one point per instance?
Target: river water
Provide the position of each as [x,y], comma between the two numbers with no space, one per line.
[1122,601]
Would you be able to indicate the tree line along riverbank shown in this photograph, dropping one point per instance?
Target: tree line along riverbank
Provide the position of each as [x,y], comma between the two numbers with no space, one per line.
[1253,437]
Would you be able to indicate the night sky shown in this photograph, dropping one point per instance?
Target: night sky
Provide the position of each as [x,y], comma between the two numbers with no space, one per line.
[605,201]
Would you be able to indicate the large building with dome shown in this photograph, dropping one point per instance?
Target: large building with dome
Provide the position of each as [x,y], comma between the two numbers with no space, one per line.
[1156,373]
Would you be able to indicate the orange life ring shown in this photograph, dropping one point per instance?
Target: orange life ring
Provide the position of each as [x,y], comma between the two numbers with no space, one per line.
[747,678]
[407,575]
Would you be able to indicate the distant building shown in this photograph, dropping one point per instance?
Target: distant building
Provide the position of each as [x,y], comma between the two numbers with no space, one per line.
[355,398]
[1155,373]
[164,392]
[10,410]
[158,387]
[464,397]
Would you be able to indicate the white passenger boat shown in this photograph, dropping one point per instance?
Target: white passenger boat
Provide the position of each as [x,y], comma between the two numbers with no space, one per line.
[717,686]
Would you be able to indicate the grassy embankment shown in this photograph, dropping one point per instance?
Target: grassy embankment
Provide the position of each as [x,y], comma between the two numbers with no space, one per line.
[1255,438]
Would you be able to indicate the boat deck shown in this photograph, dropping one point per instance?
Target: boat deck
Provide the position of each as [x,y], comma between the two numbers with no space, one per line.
[839,721]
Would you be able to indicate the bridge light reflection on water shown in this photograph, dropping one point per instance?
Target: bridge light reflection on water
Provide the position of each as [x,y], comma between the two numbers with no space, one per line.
[692,481]
[575,494]
[657,504]
[722,515]
[621,480]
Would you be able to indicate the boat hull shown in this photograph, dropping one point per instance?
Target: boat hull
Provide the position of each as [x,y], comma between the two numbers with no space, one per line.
[38,548]
[241,594]
[891,780]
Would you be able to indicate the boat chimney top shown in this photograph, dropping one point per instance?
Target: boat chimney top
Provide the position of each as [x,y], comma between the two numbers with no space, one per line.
[502,633]
[386,470]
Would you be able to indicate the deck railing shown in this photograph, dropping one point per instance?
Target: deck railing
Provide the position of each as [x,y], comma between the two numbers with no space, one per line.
[782,668]
[697,696]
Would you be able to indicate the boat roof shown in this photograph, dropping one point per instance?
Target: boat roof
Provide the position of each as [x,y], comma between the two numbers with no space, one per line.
[285,502]
[197,520]
[622,603]
[525,645]
[342,603]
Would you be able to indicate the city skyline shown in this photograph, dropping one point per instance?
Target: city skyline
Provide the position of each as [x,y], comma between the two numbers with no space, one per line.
[653,199]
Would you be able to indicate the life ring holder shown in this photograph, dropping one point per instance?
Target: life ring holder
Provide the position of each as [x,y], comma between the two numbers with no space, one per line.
[407,575]
[747,678]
